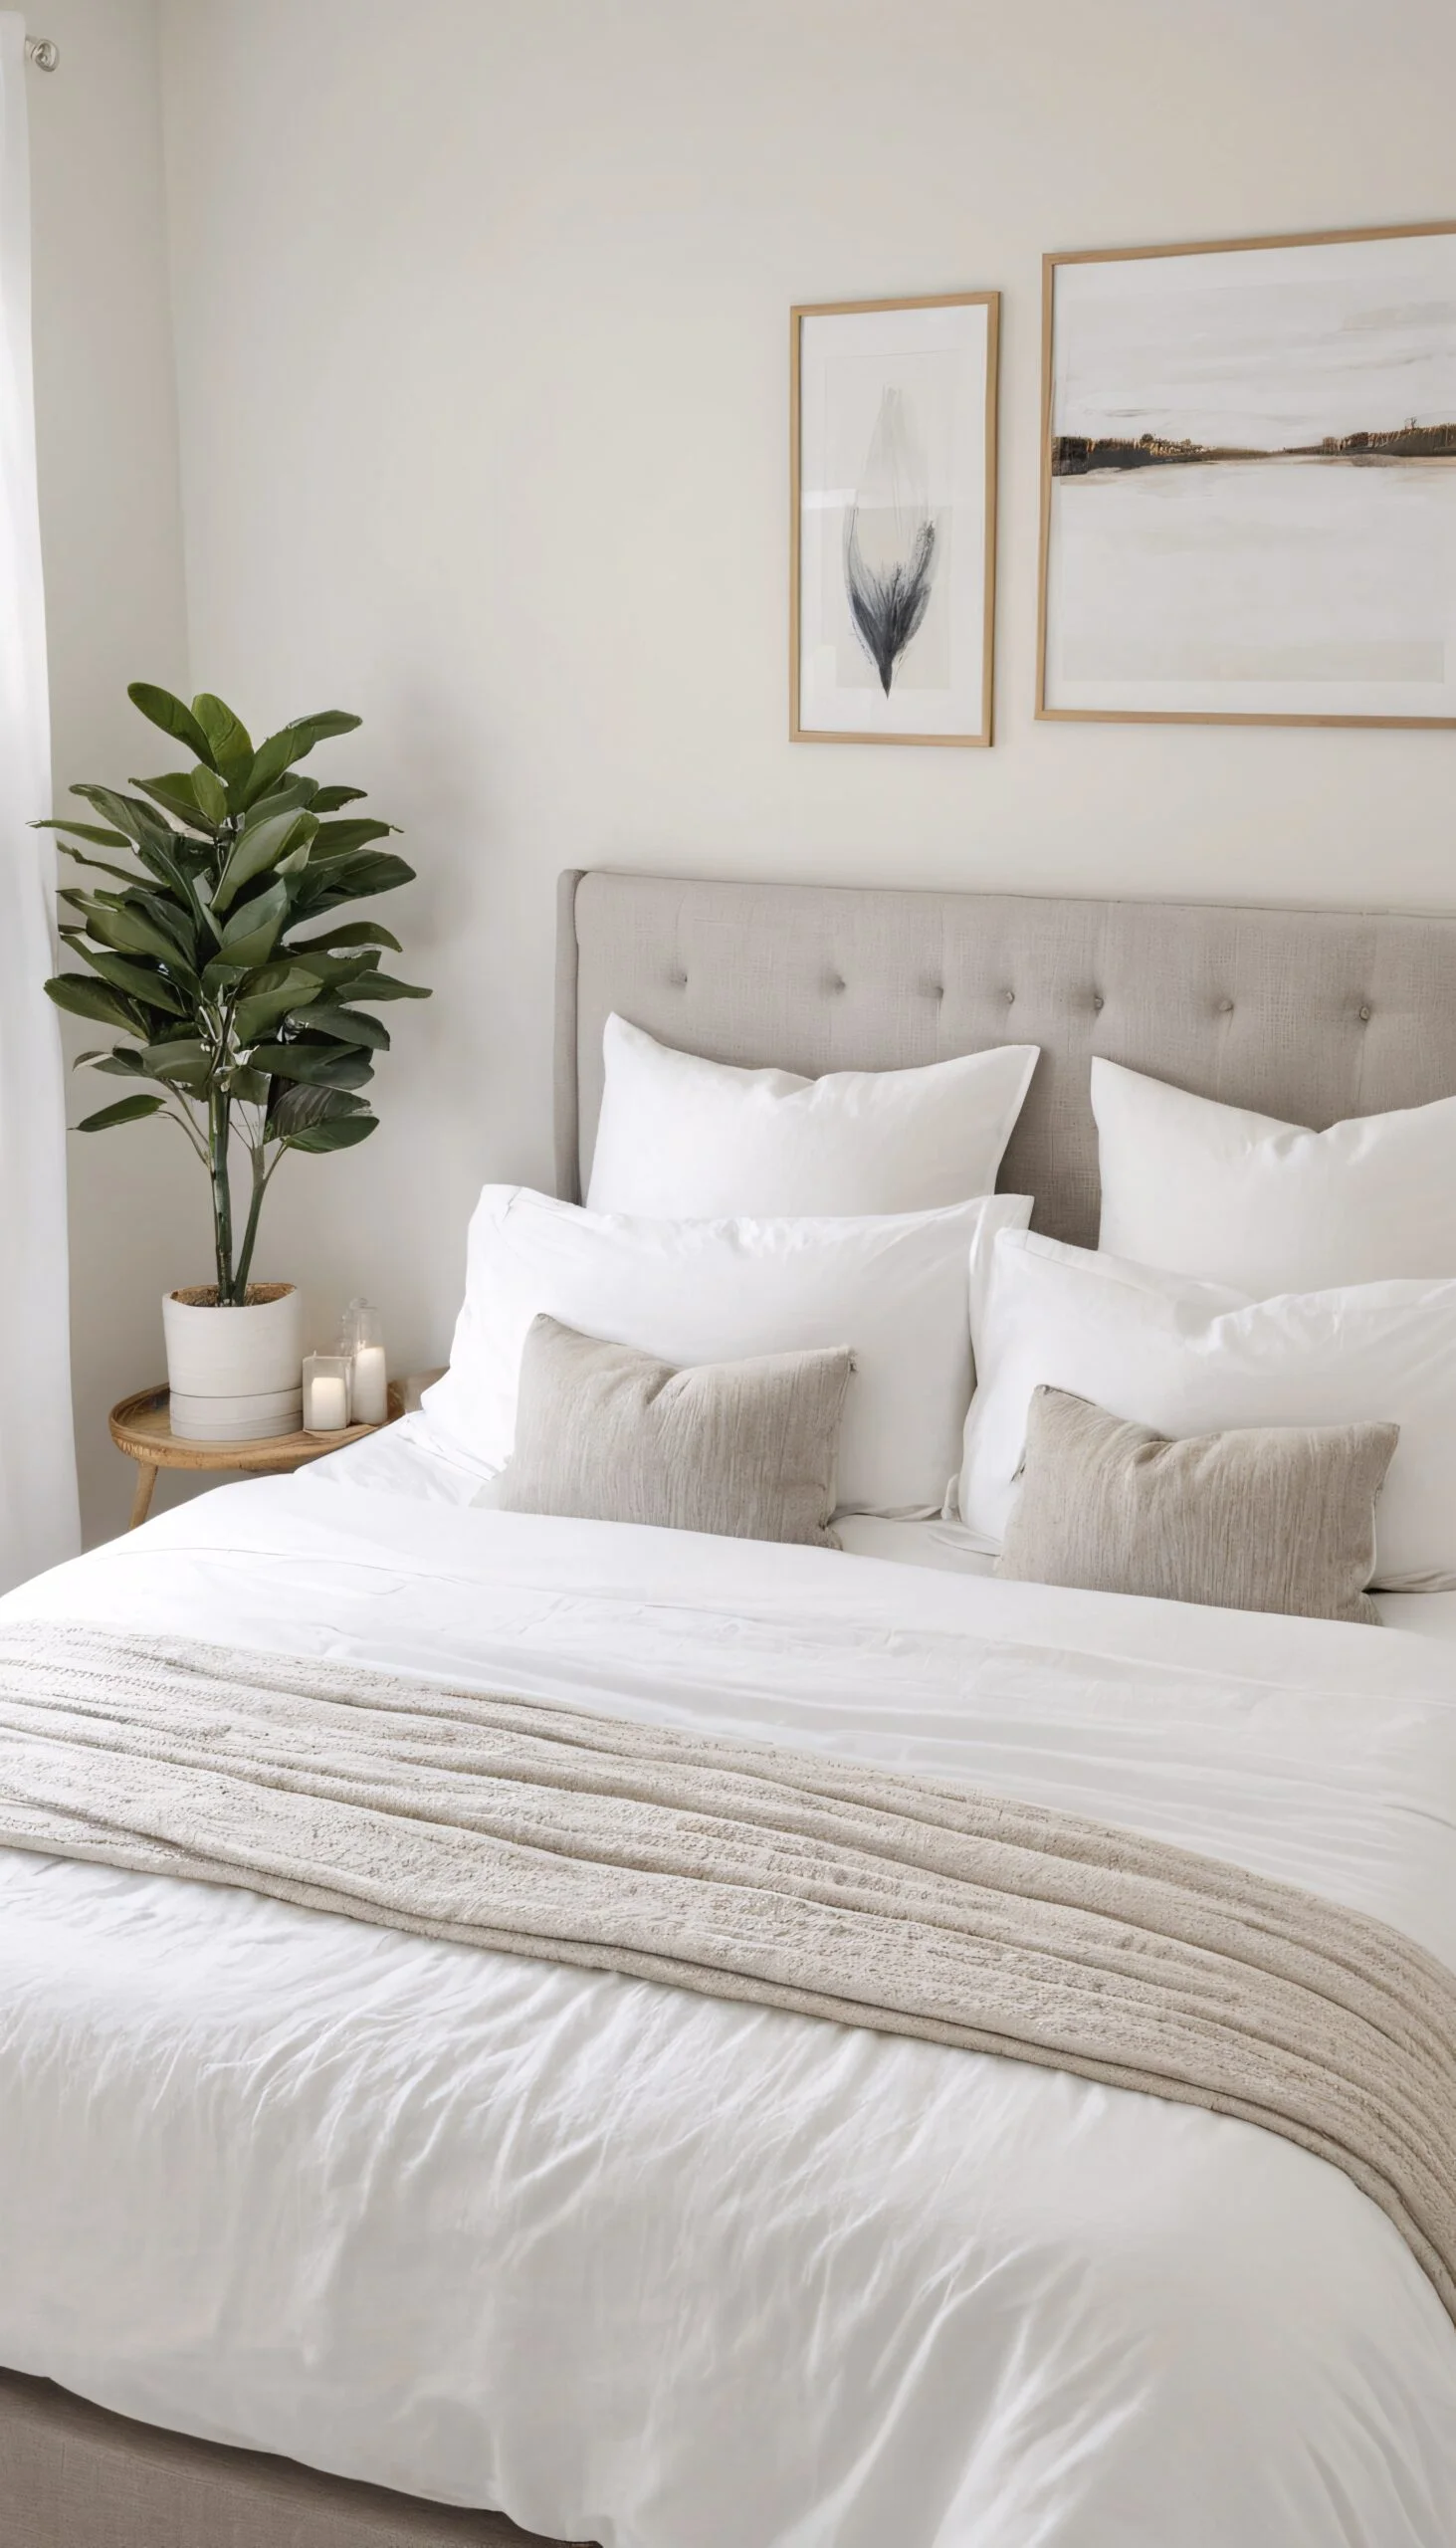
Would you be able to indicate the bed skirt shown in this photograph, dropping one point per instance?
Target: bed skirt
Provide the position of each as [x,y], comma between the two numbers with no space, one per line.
[72,2476]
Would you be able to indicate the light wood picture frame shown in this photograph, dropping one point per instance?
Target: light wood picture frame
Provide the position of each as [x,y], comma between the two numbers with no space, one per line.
[893,510]
[1248,481]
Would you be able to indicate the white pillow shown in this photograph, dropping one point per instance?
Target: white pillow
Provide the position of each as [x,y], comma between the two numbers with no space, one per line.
[1241,1198]
[1192,1357]
[691,1140]
[893,1288]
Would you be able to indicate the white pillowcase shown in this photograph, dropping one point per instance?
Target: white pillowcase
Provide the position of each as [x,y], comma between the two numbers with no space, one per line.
[1192,1358]
[688,1138]
[893,1288]
[1241,1198]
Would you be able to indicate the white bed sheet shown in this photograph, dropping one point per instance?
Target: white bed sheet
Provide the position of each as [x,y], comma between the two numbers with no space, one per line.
[674,2274]
[406,1460]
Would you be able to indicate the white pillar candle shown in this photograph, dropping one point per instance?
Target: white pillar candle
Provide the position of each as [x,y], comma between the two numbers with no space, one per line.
[327,1409]
[370,1385]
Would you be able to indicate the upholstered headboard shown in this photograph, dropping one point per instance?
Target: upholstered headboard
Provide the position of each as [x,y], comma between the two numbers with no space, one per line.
[1307,1016]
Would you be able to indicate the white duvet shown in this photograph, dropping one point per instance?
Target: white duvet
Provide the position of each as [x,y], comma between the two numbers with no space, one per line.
[670,2272]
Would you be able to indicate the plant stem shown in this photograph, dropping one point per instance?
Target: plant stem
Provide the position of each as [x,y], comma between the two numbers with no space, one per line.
[169,1115]
[219,1135]
[250,1233]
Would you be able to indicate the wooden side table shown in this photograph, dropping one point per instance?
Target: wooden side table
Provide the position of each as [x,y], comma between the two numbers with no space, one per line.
[141,1426]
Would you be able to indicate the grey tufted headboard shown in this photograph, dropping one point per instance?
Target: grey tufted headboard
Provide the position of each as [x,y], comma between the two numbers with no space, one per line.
[1306,1015]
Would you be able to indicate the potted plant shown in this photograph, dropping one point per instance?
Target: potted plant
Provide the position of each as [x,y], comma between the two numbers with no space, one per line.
[219,957]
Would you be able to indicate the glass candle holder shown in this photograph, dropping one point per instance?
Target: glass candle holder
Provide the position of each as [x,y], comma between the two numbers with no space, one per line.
[364,1329]
[325,1392]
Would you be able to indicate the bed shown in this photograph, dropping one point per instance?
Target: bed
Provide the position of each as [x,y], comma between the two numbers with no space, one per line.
[356,2235]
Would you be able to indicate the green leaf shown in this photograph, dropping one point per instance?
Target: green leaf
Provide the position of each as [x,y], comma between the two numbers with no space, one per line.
[220,976]
[98,866]
[176,794]
[202,898]
[268,904]
[253,929]
[351,932]
[259,1011]
[165,864]
[229,745]
[137,981]
[155,843]
[348,1026]
[173,718]
[185,1060]
[271,760]
[212,796]
[355,965]
[273,976]
[131,927]
[344,1133]
[248,1084]
[85,997]
[295,791]
[328,721]
[329,799]
[141,825]
[294,742]
[82,831]
[316,1065]
[118,1063]
[338,840]
[298,1109]
[320,1118]
[256,848]
[128,1110]
[385,987]
[350,880]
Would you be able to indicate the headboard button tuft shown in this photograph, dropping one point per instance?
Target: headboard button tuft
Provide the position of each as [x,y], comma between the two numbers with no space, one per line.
[1225,1008]
[1097,999]
[1365,1016]
[1011,999]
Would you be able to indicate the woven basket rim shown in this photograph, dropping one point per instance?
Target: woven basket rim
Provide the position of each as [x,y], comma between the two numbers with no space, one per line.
[203,1296]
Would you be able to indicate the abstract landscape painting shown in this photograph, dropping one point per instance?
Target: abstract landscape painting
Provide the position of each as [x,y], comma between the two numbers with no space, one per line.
[1249,482]
[894,447]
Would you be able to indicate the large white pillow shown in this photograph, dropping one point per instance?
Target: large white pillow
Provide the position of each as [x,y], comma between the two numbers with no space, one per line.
[1241,1198]
[1193,1358]
[688,1138]
[893,1288]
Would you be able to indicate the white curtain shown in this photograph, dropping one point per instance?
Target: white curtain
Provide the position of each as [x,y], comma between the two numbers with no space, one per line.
[38,1511]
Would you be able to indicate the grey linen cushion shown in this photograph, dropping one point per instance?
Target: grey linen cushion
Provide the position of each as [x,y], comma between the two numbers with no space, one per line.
[1268,1518]
[745,1449]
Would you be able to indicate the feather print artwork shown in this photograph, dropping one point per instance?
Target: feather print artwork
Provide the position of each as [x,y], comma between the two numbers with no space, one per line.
[893,440]
[890,540]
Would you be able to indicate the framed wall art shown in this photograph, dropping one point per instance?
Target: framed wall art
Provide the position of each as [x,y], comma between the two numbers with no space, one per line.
[893,454]
[1249,482]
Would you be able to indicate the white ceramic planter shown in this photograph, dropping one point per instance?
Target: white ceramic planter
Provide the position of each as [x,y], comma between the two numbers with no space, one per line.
[236,1376]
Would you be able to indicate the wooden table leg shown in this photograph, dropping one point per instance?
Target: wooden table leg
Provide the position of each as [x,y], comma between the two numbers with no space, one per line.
[141,1500]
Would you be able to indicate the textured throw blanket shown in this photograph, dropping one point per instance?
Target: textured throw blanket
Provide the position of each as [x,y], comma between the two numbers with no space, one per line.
[809,1883]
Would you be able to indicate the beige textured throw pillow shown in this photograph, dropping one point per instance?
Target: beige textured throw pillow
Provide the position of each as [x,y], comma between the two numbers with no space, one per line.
[745,1449]
[1271,1518]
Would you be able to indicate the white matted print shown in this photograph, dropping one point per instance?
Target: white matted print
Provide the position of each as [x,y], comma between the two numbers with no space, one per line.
[894,485]
[1249,482]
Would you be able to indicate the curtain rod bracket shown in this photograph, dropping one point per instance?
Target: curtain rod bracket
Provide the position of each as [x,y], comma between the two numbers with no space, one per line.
[42,50]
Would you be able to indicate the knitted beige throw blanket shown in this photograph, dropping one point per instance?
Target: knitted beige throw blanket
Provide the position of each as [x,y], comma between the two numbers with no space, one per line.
[810,1883]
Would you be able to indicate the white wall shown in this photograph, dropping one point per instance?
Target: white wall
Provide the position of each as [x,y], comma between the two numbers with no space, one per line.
[481,315]
[107,436]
